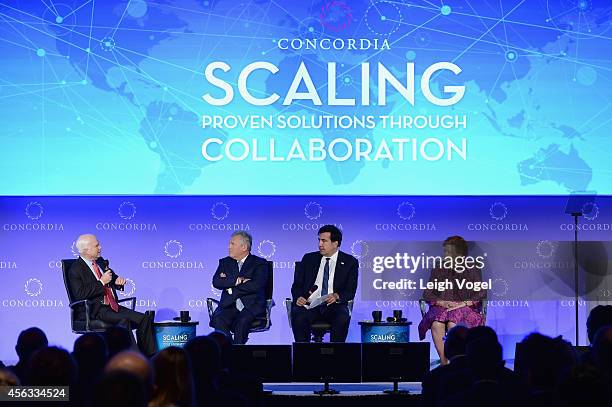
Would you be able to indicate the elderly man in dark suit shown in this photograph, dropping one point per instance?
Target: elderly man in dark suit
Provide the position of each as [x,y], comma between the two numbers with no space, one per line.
[91,279]
[243,278]
[329,274]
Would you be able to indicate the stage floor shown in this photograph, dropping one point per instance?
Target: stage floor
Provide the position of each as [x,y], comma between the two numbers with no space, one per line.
[351,395]
[345,389]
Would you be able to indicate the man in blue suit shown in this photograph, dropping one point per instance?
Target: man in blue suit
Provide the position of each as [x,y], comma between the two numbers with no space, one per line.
[243,277]
[329,274]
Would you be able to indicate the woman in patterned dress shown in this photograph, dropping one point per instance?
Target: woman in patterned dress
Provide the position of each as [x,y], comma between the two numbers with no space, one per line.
[448,308]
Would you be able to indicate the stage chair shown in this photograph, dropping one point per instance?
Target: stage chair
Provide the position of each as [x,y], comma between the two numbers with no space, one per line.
[260,324]
[89,324]
[319,328]
[483,308]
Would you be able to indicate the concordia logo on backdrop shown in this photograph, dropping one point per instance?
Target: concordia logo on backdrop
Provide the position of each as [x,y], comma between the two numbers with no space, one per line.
[34,211]
[127,212]
[173,249]
[313,211]
[590,211]
[360,249]
[500,290]
[267,249]
[32,289]
[8,264]
[545,253]
[129,289]
[219,211]
[406,212]
[498,212]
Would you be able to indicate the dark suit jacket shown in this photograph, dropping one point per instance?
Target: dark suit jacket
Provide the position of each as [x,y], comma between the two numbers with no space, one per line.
[345,276]
[252,293]
[85,286]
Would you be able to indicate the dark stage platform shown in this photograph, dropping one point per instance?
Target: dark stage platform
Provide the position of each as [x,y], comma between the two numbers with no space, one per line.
[351,394]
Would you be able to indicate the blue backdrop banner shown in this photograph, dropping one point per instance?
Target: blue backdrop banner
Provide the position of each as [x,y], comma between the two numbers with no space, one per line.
[168,248]
[324,97]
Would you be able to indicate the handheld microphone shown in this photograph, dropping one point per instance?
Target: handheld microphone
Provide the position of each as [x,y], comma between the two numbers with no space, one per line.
[105,263]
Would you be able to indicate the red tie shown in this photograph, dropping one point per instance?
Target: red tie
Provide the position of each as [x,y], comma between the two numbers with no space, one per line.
[109,298]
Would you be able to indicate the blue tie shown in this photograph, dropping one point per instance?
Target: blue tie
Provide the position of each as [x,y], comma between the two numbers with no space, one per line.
[324,288]
[239,303]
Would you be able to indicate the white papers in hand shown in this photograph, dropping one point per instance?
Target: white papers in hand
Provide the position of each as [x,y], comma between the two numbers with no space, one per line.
[316,302]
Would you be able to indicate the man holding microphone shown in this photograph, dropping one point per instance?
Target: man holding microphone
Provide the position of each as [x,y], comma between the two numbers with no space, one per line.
[91,279]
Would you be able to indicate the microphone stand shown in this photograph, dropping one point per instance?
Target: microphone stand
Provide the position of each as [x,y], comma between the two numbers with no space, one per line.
[576,282]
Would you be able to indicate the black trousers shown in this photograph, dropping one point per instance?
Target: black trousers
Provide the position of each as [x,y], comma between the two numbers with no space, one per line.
[229,319]
[337,315]
[132,319]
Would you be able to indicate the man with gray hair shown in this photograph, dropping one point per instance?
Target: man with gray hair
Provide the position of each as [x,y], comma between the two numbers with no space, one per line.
[91,279]
[243,277]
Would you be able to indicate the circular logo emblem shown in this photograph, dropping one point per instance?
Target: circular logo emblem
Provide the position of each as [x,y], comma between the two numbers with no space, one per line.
[500,287]
[74,250]
[545,249]
[406,210]
[590,211]
[173,248]
[33,287]
[266,249]
[219,210]
[498,211]
[313,210]
[128,289]
[127,210]
[359,249]
[34,210]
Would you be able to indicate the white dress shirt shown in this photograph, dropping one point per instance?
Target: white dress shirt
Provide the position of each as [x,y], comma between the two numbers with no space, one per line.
[229,290]
[319,280]
[89,264]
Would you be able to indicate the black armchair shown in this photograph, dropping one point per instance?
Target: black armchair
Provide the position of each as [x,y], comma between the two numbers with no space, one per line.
[318,328]
[89,324]
[260,324]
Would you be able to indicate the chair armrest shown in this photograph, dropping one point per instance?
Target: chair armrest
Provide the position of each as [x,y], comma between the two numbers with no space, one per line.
[86,302]
[288,302]
[269,304]
[72,304]
[211,304]
[483,308]
[133,299]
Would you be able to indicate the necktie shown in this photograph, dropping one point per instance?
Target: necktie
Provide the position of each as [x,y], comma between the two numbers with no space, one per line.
[324,284]
[109,298]
[239,303]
